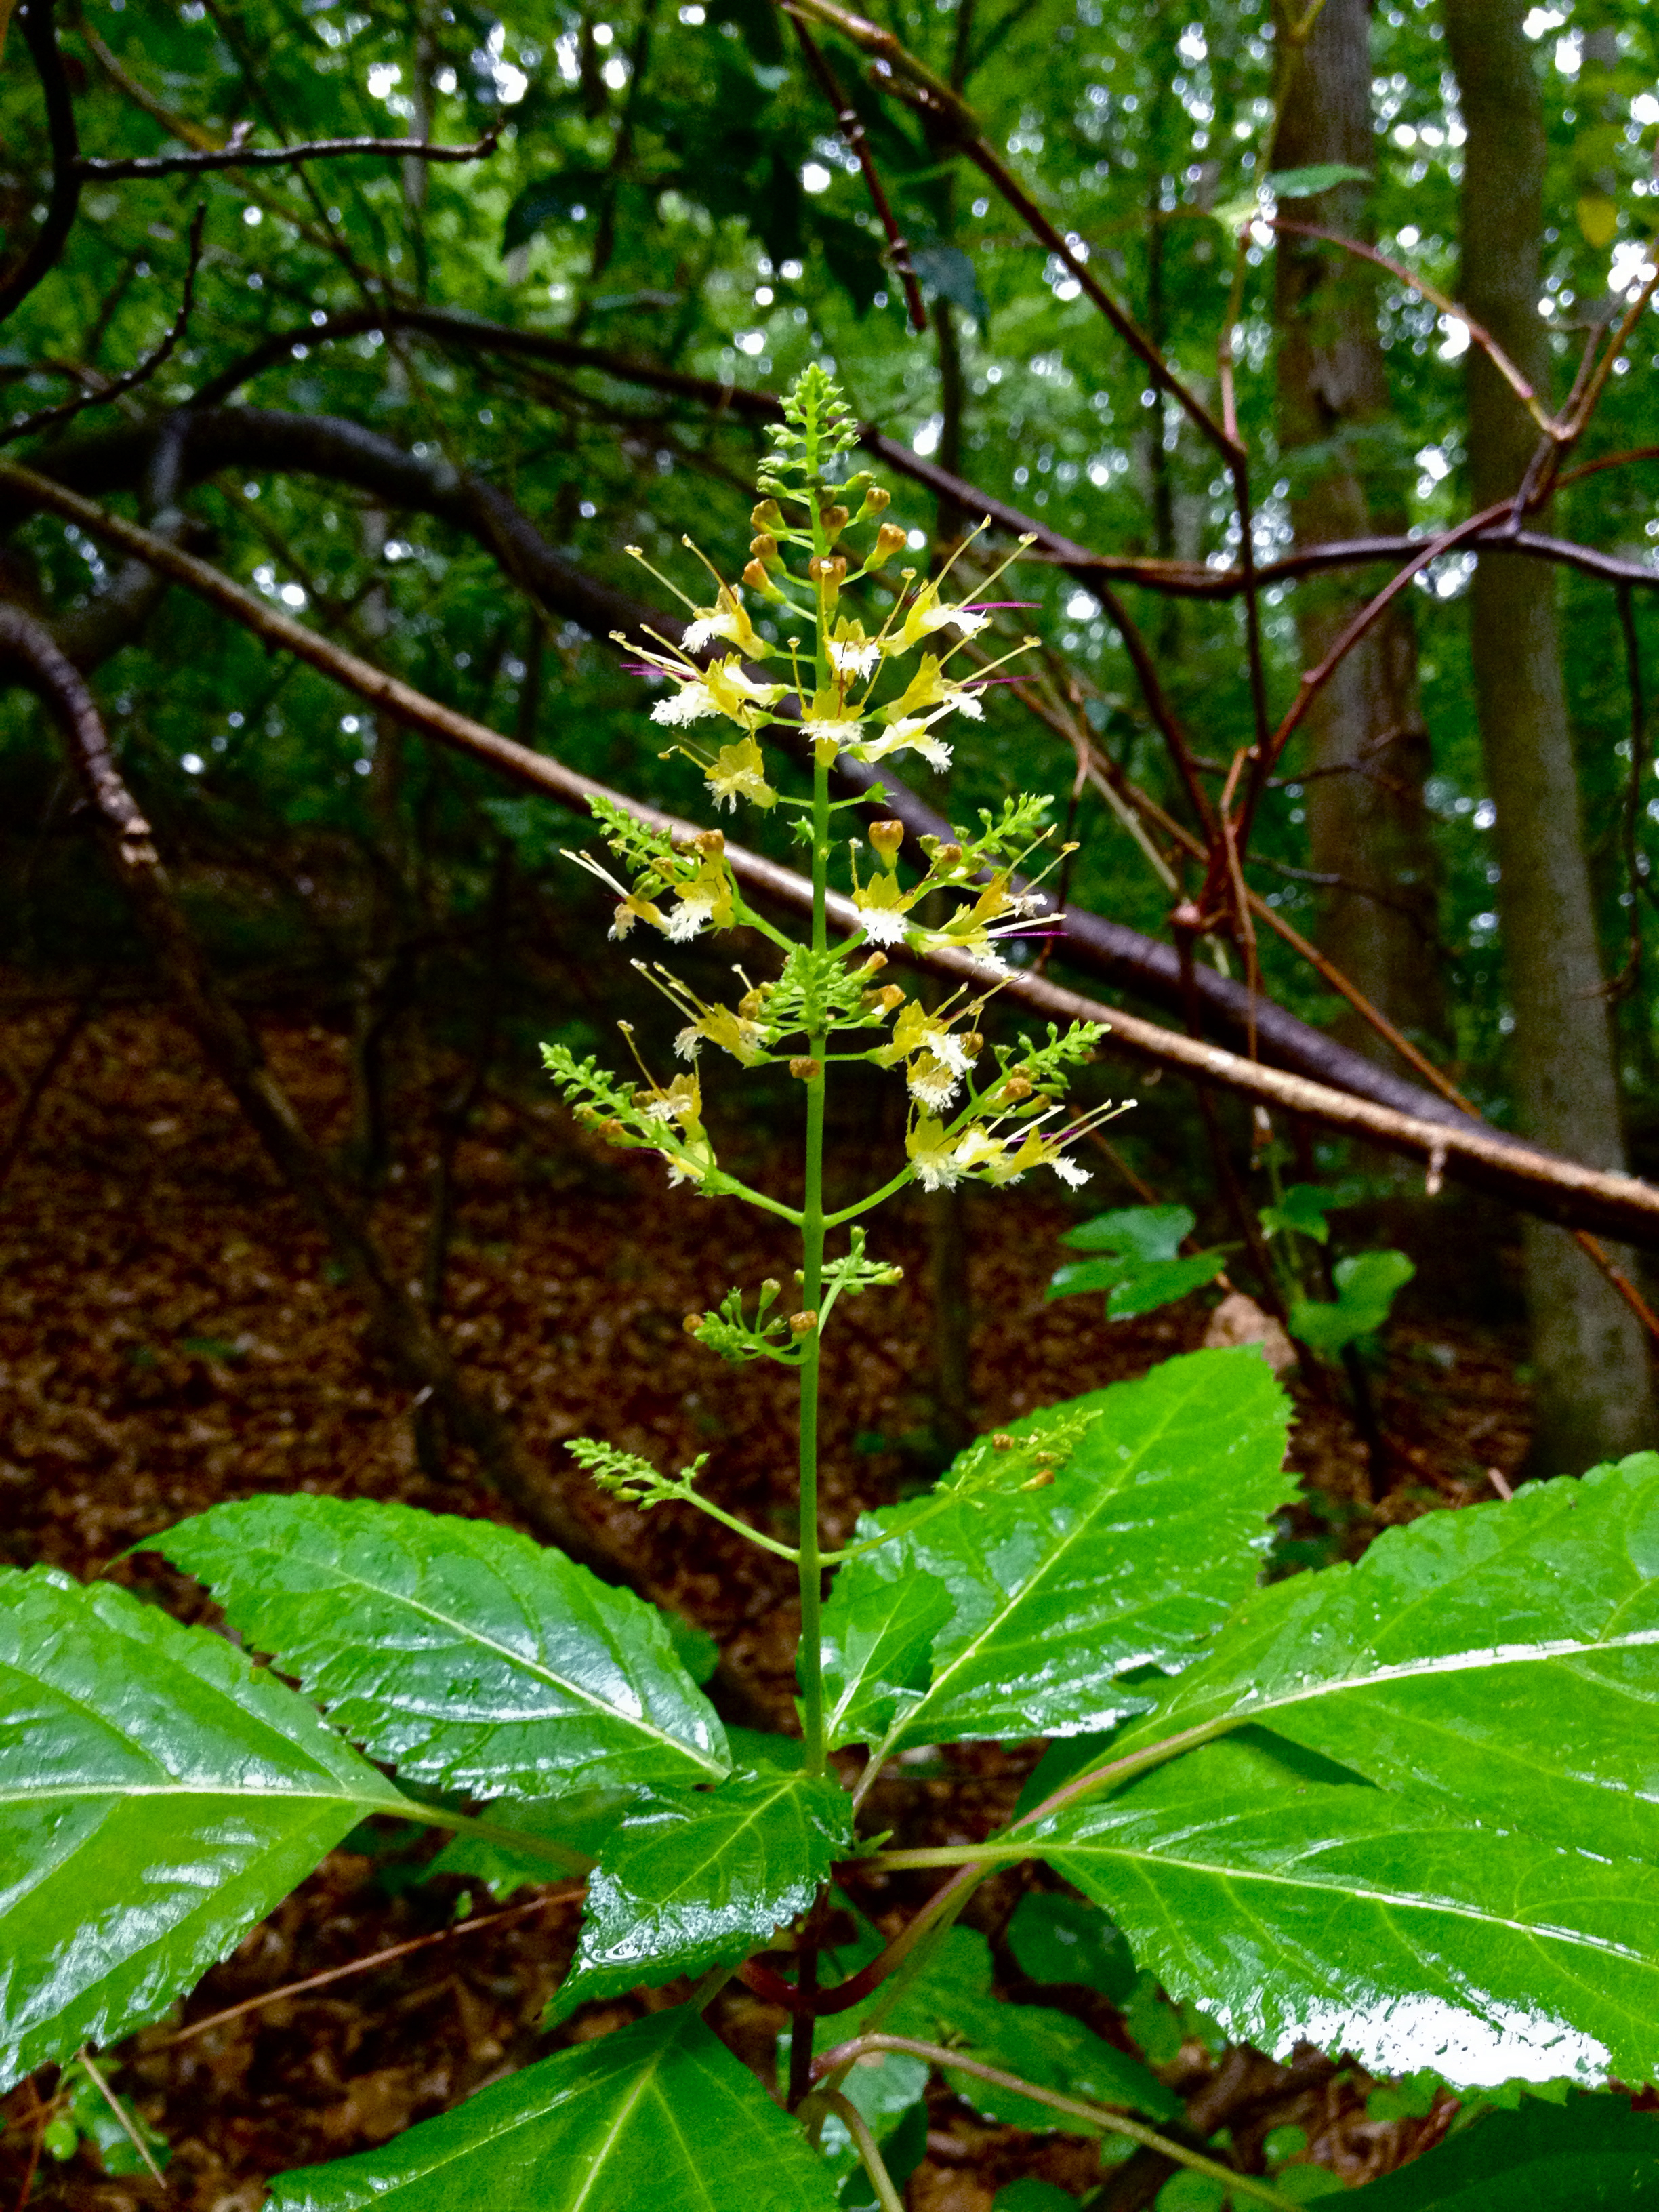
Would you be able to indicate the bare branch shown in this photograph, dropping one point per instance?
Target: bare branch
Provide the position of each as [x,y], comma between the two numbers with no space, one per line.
[32,424]
[851,127]
[1539,1183]
[235,156]
[40,36]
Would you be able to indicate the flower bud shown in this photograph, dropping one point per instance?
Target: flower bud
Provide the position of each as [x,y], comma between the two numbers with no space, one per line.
[764,545]
[887,998]
[693,1324]
[756,577]
[973,1044]
[1002,1441]
[835,519]
[948,856]
[751,1005]
[1040,1480]
[769,1290]
[889,538]
[610,1129]
[1015,1088]
[805,1070]
[802,1324]
[709,841]
[874,964]
[887,837]
[768,515]
[877,500]
[829,569]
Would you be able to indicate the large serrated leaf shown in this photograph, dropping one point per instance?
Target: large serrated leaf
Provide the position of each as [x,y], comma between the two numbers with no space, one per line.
[699,1880]
[1505,1658]
[158,1795]
[1384,1926]
[459,1652]
[1593,2155]
[1142,1544]
[657,2117]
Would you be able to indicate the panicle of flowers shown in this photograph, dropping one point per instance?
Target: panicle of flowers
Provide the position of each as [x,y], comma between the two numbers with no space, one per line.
[665,1119]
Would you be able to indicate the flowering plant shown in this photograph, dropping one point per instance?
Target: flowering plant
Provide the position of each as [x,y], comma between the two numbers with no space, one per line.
[1336,1809]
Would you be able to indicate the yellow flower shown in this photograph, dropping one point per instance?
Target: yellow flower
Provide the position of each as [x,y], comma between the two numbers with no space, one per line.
[739,770]
[726,619]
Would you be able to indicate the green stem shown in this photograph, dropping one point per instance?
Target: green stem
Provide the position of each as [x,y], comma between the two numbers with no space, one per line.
[810,1658]
[864,2143]
[1097,2116]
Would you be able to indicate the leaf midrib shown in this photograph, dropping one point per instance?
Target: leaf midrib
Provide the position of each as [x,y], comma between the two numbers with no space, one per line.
[1386,1899]
[538,1670]
[1255,1704]
[735,1829]
[1106,1496]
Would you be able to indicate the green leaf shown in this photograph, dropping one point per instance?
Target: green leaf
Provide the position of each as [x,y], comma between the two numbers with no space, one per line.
[1056,1937]
[1140,1268]
[459,1652]
[877,1640]
[1032,2195]
[1307,184]
[1502,1658]
[1366,1286]
[158,1796]
[1142,1545]
[699,1653]
[1384,1926]
[1303,1208]
[700,1879]
[657,2118]
[1593,2155]
[1133,1232]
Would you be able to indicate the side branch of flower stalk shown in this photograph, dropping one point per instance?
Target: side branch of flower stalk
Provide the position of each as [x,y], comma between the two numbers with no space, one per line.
[1554,1190]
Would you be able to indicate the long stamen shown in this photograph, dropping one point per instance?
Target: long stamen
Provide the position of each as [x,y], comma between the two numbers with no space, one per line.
[634,553]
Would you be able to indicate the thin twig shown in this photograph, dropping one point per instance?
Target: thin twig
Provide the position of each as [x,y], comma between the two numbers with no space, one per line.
[1479,334]
[376,1958]
[849,122]
[40,36]
[62,1045]
[280,157]
[133,377]
[128,2127]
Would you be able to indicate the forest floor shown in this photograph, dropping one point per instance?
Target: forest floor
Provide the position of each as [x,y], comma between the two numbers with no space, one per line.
[171,1336]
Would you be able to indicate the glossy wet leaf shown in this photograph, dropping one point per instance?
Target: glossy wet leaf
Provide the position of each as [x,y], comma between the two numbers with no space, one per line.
[656,2118]
[1505,1658]
[158,1795]
[878,1641]
[1391,1928]
[702,1878]
[1140,1548]
[1592,2154]
[460,1652]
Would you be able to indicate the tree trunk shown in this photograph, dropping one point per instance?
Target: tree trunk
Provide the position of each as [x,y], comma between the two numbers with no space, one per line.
[1367,750]
[1594,1397]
